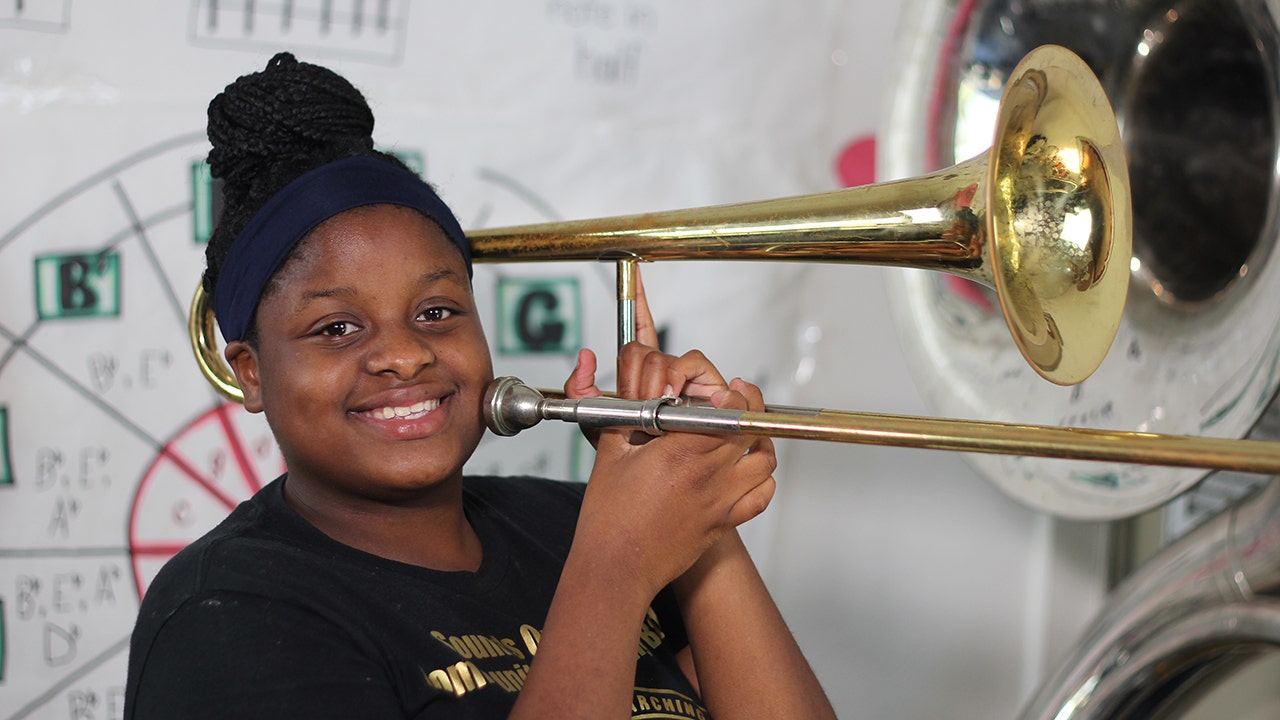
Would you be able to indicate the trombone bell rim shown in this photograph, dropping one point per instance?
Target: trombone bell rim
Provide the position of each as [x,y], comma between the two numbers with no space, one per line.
[1059,215]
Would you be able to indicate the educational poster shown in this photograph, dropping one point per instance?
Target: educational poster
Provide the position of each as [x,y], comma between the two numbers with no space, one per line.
[115,452]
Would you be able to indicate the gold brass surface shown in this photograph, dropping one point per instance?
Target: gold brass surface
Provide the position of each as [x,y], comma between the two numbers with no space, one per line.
[204,344]
[1252,456]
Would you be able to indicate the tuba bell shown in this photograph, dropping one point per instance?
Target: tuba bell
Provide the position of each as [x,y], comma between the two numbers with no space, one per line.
[1196,88]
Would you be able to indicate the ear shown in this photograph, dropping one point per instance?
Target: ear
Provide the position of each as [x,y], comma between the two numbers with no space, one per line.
[243,361]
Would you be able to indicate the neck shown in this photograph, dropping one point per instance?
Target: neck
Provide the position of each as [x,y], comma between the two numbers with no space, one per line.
[431,532]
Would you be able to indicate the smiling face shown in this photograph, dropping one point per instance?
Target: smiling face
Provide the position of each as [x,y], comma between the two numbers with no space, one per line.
[370,362]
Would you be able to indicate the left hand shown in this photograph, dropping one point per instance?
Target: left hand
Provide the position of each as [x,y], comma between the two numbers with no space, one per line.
[644,372]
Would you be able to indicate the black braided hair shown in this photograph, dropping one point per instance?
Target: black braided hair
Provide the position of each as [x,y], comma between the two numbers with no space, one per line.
[269,127]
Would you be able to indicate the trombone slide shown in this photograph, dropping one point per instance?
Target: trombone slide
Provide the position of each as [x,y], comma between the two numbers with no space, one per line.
[511,406]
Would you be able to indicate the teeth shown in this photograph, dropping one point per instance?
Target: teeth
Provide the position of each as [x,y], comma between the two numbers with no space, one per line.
[414,410]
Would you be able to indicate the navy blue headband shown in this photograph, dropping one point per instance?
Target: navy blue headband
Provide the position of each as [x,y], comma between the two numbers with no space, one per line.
[299,207]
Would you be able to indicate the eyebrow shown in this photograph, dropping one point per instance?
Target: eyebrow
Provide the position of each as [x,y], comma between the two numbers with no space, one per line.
[437,275]
[328,293]
[344,291]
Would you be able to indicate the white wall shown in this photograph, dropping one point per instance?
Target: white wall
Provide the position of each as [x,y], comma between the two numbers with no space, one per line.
[916,589]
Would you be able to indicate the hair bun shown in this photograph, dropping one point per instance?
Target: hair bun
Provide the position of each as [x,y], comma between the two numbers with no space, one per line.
[282,59]
[289,117]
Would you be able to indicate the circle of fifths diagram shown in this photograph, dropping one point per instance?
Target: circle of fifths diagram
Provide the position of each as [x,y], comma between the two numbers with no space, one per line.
[114,451]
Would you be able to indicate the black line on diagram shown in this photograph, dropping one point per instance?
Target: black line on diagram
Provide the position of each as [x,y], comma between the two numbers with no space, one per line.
[135,229]
[109,171]
[140,231]
[18,343]
[158,446]
[80,552]
[88,394]
[519,190]
[66,682]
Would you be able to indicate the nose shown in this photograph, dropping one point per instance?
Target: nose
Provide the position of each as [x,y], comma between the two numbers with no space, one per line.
[400,351]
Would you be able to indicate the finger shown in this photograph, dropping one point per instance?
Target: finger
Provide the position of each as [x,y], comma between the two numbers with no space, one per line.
[761,452]
[743,395]
[660,376]
[646,331]
[756,466]
[754,396]
[753,503]
[693,374]
[582,384]
[638,366]
[582,381]
[738,395]
[646,373]
[617,439]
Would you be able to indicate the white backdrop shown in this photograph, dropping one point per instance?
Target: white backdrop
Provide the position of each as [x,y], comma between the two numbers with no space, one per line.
[915,588]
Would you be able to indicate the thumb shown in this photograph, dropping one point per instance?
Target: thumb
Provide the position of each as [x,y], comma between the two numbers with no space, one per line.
[582,381]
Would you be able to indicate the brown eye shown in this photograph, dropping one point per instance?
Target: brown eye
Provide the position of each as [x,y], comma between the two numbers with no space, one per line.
[436,314]
[337,329]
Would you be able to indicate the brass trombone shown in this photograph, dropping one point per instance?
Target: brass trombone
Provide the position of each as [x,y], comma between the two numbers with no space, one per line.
[1044,218]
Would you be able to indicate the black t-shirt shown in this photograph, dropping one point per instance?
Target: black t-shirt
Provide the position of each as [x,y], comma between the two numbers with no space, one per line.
[267,617]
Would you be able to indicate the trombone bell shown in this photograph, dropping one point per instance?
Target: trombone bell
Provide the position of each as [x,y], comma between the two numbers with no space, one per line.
[1043,217]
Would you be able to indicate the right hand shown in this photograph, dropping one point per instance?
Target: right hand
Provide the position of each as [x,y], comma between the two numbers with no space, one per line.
[654,504]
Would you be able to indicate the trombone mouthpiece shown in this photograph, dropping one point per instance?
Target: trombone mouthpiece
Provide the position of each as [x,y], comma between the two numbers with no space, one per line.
[511,406]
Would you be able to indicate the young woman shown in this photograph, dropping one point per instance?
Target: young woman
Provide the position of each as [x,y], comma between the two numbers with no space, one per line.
[373,580]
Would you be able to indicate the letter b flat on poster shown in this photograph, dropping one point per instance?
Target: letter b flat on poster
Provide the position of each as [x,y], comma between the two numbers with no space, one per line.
[86,285]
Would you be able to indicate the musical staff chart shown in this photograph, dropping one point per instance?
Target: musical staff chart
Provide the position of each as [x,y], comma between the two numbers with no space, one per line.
[46,15]
[367,29]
